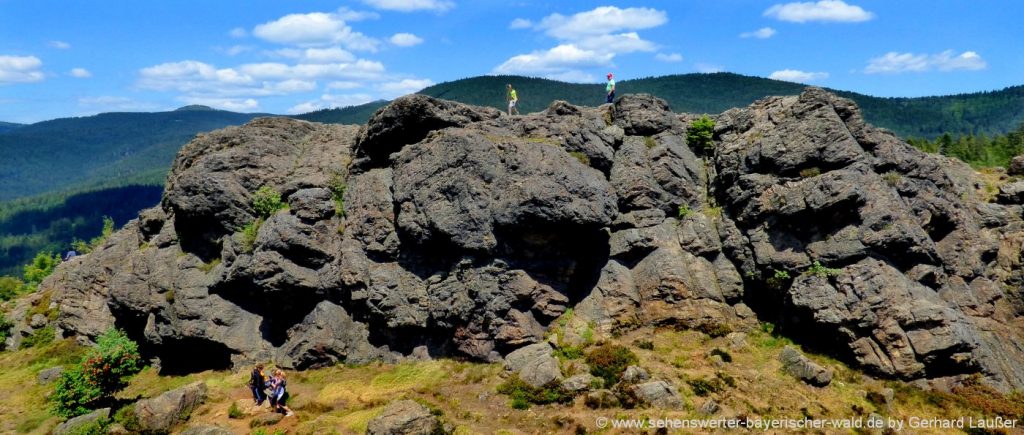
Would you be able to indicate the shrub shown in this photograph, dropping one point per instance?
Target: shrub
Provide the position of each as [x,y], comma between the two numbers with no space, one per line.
[569,352]
[267,201]
[684,211]
[649,142]
[703,387]
[778,279]
[817,269]
[644,344]
[39,337]
[5,329]
[524,394]
[104,371]
[126,417]
[337,187]
[700,133]
[609,361]
[40,268]
[10,287]
[249,233]
[892,178]
[727,379]
[83,247]
[713,329]
[234,412]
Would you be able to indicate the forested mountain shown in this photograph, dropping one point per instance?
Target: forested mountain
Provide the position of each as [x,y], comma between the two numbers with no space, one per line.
[101,150]
[344,115]
[51,222]
[995,112]
[6,126]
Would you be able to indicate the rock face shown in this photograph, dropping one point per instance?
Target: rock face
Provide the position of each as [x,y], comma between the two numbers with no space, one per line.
[404,417]
[802,368]
[446,229]
[163,412]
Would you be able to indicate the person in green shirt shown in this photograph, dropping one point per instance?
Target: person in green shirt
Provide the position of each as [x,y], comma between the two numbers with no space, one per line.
[610,89]
[513,100]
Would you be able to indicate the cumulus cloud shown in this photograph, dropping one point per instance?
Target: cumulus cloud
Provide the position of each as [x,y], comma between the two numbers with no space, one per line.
[20,69]
[232,104]
[235,50]
[403,87]
[520,23]
[762,33]
[586,39]
[81,73]
[316,29]
[405,39]
[315,55]
[893,62]
[600,21]
[670,57]
[822,11]
[411,5]
[60,45]
[792,75]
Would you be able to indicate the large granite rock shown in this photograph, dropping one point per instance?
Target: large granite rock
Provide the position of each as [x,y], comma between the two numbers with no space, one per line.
[441,229]
[162,413]
[404,417]
[78,424]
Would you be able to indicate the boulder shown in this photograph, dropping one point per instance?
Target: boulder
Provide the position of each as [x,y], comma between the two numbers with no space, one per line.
[163,412]
[74,425]
[266,419]
[799,366]
[49,375]
[206,429]
[404,417]
[634,374]
[659,394]
[580,382]
[534,364]
[1016,166]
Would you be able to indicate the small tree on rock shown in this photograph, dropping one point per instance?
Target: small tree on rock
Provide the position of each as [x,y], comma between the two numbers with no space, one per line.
[700,134]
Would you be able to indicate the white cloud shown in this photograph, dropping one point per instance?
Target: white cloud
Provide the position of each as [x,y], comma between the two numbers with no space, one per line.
[587,39]
[20,69]
[328,101]
[315,29]
[60,45]
[823,11]
[893,62]
[235,50]
[600,21]
[238,32]
[671,57]
[554,60]
[708,68]
[405,39]
[792,75]
[520,23]
[232,104]
[762,33]
[81,73]
[344,85]
[403,87]
[315,55]
[411,5]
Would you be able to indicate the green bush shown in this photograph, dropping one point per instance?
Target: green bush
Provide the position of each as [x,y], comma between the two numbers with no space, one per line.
[713,329]
[105,370]
[523,394]
[649,142]
[337,187]
[5,329]
[810,172]
[703,387]
[609,361]
[39,337]
[817,269]
[10,288]
[725,356]
[83,247]
[700,133]
[249,233]
[234,412]
[684,211]
[40,268]
[778,280]
[569,352]
[267,201]
[126,417]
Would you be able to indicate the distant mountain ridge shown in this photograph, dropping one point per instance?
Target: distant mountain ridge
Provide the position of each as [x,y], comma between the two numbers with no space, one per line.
[7,126]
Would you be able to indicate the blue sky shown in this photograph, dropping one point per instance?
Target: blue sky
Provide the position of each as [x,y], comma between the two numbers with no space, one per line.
[76,57]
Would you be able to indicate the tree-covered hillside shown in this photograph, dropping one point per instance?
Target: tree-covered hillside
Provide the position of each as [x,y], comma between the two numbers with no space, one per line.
[51,222]
[995,112]
[7,126]
[344,115]
[110,148]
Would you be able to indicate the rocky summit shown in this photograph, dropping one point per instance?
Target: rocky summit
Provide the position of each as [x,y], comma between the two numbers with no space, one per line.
[441,229]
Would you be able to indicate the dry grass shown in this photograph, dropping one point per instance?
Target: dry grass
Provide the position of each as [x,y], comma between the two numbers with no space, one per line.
[343,399]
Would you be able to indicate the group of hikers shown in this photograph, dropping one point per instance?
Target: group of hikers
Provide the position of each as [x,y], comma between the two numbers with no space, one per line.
[275,383]
[513,99]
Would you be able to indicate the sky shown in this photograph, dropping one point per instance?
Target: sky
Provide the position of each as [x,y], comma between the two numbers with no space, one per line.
[61,58]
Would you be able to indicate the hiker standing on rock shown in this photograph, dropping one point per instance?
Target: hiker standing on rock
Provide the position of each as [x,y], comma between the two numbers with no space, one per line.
[257,382]
[610,89]
[513,100]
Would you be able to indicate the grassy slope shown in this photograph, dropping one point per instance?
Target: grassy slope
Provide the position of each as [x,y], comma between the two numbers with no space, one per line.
[343,399]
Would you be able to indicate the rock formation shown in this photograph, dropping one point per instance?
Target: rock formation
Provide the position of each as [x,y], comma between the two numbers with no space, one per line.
[444,229]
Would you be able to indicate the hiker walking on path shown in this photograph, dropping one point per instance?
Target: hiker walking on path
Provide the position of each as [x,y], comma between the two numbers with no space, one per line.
[257,382]
[279,395]
[610,89]
[513,100]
